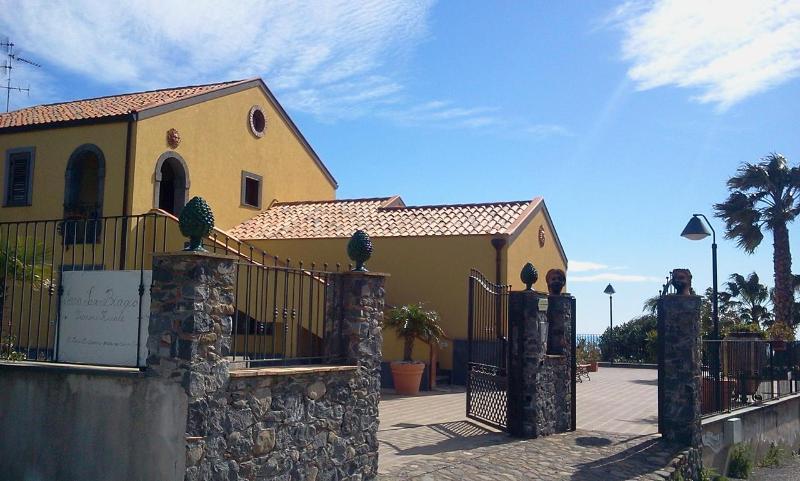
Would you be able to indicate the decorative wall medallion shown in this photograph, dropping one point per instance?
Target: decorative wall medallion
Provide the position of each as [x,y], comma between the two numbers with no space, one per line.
[173,138]
[541,236]
[258,121]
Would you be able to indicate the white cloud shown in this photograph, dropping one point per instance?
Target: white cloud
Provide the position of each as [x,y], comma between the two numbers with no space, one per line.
[583,266]
[325,57]
[727,49]
[612,276]
[334,59]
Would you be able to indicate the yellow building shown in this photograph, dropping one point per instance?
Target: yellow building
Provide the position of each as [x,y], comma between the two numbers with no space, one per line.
[230,142]
[100,163]
[427,250]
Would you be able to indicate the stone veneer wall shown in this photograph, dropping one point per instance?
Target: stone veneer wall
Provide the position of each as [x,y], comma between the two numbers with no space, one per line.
[294,423]
[679,381]
[540,385]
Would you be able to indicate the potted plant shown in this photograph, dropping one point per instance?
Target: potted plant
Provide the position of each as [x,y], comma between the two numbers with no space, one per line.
[587,354]
[593,356]
[412,322]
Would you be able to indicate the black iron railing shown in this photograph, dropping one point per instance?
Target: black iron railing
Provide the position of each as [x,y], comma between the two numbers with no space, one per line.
[281,313]
[751,371]
[279,306]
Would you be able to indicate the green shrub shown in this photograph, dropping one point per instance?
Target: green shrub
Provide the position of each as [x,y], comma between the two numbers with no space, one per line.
[710,474]
[774,457]
[740,464]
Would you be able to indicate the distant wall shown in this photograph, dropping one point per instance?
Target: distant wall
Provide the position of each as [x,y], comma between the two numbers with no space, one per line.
[68,424]
[771,422]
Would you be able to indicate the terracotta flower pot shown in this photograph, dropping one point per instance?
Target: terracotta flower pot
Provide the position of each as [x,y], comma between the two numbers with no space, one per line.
[407,377]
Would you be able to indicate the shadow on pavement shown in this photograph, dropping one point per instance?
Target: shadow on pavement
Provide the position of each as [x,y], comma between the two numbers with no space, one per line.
[452,436]
[637,460]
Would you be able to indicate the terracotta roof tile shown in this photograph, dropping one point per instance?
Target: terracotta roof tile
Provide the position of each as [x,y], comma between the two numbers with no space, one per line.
[340,218]
[112,106]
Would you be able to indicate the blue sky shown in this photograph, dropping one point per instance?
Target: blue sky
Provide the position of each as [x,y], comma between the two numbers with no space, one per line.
[626,117]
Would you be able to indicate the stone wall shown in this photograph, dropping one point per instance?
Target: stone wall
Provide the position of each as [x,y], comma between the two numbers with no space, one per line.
[540,384]
[278,423]
[679,382]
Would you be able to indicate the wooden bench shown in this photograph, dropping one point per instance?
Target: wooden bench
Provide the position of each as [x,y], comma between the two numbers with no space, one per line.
[583,370]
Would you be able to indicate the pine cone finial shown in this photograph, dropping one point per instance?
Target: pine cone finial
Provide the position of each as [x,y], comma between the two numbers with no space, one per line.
[529,275]
[359,249]
[196,221]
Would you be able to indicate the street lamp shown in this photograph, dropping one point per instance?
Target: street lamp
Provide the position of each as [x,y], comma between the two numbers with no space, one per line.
[610,291]
[699,230]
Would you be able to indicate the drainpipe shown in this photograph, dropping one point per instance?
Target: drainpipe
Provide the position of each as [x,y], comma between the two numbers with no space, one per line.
[498,243]
[125,191]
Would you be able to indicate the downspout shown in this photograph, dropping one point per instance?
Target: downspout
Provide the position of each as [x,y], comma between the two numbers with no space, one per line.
[498,243]
[126,208]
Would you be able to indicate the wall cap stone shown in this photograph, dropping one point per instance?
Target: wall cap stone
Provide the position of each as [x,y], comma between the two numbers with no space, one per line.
[363,274]
[288,370]
[72,368]
[739,412]
[212,255]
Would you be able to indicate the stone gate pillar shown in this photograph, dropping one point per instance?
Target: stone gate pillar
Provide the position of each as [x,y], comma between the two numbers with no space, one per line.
[679,375]
[539,383]
[356,303]
[192,301]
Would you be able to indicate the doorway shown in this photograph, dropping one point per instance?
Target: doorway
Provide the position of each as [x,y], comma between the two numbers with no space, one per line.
[171,183]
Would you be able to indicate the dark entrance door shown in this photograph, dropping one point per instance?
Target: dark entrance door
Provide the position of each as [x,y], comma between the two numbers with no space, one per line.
[487,352]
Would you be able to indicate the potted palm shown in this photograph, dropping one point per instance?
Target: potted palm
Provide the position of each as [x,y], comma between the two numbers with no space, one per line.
[412,322]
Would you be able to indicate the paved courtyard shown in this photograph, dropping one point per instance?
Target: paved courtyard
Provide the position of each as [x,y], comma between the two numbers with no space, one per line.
[428,437]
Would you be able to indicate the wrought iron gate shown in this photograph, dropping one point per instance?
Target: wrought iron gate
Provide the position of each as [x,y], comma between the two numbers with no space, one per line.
[487,352]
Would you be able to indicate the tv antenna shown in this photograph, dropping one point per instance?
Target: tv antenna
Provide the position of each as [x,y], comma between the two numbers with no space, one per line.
[8,65]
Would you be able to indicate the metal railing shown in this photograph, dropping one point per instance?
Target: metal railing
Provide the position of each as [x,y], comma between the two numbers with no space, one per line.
[35,254]
[281,314]
[751,371]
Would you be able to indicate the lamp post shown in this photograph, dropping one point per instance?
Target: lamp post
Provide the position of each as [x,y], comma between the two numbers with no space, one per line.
[610,291]
[698,230]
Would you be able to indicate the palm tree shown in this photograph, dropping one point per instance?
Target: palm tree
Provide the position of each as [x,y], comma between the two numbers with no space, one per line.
[414,322]
[751,298]
[764,195]
[21,259]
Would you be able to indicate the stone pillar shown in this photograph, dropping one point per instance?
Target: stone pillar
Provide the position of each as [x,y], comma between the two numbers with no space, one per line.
[539,384]
[192,300]
[354,335]
[679,384]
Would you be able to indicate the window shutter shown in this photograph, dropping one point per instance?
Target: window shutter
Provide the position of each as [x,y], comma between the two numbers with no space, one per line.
[18,182]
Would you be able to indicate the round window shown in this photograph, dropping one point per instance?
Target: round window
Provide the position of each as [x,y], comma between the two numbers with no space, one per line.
[258,121]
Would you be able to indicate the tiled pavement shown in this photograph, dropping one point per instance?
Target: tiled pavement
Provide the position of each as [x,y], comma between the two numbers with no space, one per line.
[428,438]
[619,400]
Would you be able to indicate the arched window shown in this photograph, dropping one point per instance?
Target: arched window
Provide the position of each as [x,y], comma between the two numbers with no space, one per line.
[171,183]
[83,193]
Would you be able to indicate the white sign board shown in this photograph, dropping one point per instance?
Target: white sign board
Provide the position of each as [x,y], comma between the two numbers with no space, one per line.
[100,317]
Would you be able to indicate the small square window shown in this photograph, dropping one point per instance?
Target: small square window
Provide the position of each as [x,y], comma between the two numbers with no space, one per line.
[251,190]
[18,177]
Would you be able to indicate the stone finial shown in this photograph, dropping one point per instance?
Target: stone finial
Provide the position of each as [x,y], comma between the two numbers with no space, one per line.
[682,282]
[529,276]
[556,279]
[196,221]
[359,249]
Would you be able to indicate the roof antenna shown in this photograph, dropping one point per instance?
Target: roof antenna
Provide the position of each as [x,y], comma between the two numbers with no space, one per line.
[8,65]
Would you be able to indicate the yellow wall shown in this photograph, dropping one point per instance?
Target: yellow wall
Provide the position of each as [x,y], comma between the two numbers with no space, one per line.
[525,248]
[53,149]
[433,270]
[217,144]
